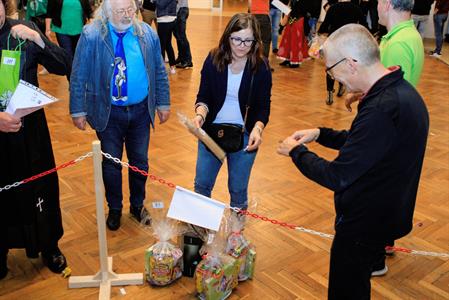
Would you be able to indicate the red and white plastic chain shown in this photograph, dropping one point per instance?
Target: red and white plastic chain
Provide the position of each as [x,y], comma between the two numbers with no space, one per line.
[238,210]
[137,170]
[45,173]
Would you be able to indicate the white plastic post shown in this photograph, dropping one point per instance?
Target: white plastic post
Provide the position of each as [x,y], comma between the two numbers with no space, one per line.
[105,278]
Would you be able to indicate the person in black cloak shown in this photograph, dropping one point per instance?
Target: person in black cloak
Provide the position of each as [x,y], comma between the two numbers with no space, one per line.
[30,216]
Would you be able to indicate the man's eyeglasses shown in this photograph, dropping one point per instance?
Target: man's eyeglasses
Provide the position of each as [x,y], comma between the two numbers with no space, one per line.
[334,65]
[121,12]
[328,69]
[236,41]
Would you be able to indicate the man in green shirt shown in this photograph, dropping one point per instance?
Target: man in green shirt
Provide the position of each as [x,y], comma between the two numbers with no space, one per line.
[402,45]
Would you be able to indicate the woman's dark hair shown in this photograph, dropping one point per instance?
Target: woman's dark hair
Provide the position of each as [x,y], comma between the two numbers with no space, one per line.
[222,55]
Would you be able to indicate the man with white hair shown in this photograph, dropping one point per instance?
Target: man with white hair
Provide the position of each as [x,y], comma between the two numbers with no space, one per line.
[376,173]
[118,82]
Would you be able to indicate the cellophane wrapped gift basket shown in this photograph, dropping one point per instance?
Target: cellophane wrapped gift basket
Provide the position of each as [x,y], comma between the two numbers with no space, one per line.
[163,260]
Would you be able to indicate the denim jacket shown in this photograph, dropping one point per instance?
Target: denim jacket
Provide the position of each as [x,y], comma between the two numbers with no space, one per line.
[93,68]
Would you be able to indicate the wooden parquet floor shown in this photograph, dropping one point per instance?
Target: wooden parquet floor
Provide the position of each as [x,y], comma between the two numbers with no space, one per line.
[290,264]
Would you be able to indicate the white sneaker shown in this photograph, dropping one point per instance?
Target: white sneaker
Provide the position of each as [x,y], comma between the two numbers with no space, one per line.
[380,272]
[435,54]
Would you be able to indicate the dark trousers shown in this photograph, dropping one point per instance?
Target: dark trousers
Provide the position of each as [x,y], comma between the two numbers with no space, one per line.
[371,8]
[265,32]
[164,31]
[184,55]
[68,42]
[330,84]
[351,264]
[129,125]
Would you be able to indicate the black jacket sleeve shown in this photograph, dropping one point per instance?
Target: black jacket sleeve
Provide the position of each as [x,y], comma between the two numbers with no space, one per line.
[204,91]
[54,58]
[370,138]
[331,138]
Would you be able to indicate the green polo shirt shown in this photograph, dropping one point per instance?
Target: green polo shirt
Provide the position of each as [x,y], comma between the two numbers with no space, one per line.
[402,46]
[71,18]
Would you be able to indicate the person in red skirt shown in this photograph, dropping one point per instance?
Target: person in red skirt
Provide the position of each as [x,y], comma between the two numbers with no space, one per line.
[293,48]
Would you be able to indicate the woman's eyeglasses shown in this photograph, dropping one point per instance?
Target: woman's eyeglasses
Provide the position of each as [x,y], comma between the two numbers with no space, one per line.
[236,41]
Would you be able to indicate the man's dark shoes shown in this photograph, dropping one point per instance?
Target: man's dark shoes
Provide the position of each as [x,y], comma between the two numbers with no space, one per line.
[54,260]
[285,63]
[184,65]
[141,214]
[3,265]
[113,221]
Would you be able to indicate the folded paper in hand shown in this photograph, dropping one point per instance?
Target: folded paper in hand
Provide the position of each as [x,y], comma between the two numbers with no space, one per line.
[282,7]
[28,98]
[196,209]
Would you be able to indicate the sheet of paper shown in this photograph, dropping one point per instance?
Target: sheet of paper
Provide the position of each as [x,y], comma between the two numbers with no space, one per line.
[28,98]
[281,6]
[196,209]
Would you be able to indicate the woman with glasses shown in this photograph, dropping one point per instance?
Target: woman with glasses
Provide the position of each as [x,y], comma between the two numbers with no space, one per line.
[235,89]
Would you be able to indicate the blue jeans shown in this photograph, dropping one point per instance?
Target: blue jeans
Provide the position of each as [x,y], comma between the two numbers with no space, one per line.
[275,16]
[312,32]
[438,24]
[184,54]
[239,170]
[129,125]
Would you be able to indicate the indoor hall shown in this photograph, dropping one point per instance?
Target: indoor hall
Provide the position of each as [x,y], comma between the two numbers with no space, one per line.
[290,264]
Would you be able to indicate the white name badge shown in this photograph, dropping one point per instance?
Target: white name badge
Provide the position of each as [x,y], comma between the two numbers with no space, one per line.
[11,61]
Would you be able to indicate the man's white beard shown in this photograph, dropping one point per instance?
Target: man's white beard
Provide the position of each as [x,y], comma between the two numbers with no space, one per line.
[121,27]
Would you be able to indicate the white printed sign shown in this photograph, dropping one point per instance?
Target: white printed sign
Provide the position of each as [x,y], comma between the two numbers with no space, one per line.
[281,6]
[196,209]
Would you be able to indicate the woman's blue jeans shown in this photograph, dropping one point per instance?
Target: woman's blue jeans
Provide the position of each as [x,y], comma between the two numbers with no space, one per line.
[129,125]
[239,169]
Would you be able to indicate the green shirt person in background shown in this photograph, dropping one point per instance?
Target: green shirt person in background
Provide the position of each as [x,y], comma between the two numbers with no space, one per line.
[403,46]
[66,18]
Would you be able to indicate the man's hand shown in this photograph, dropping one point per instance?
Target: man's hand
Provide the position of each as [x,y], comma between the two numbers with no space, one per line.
[163,115]
[287,145]
[9,123]
[26,33]
[297,138]
[306,136]
[79,122]
[351,98]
